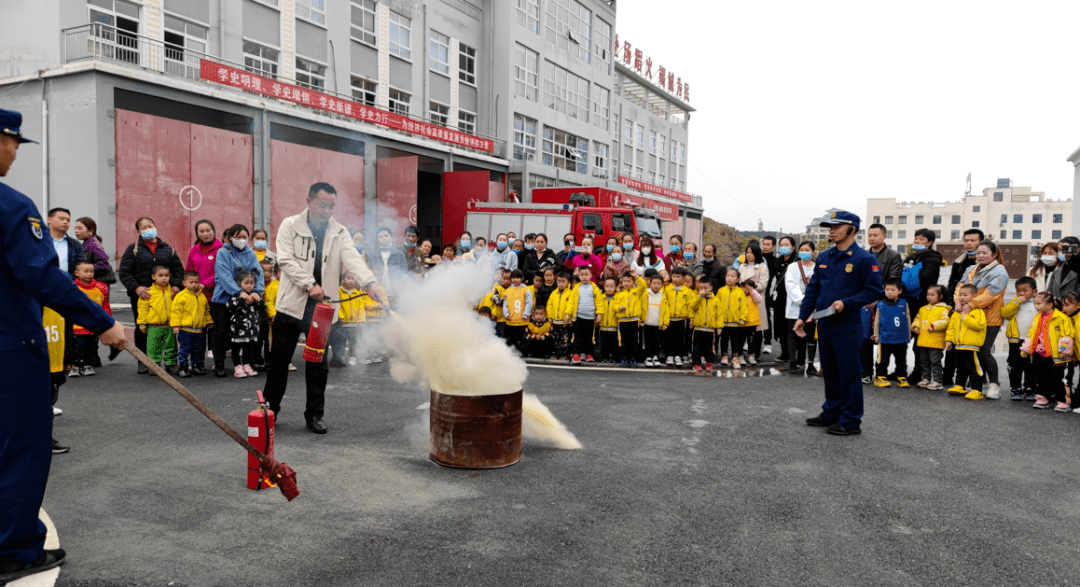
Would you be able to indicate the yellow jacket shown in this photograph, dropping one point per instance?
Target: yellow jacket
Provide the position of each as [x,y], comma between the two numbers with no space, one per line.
[559,306]
[155,311]
[680,301]
[489,301]
[597,295]
[707,316]
[541,330]
[967,332]
[352,309]
[607,311]
[54,338]
[190,311]
[1060,326]
[374,310]
[270,297]
[753,314]
[633,301]
[935,317]
[733,306]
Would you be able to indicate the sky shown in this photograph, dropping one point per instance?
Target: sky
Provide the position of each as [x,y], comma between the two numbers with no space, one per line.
[804,106]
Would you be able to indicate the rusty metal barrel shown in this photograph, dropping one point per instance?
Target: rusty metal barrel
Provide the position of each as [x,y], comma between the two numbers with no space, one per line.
[475,431]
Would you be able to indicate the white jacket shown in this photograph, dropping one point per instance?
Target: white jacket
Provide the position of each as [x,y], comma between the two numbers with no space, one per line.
[296,257]
[795,289]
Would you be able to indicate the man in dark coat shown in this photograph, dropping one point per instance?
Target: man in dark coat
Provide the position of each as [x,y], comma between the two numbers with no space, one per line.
[890,261]
[922,252]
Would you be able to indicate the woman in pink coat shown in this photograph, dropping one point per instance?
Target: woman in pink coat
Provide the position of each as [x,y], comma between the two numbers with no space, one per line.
[201,260]
[586,259]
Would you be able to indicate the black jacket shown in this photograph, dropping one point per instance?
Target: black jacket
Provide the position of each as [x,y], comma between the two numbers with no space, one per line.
[891,263]
[929,275]
[714,271]
[528,261]
[137,262]
[74,254]
[959,268]
[780,303]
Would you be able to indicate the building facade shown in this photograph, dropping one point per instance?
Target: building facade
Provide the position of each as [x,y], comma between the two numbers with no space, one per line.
[1006,214]
[229,109]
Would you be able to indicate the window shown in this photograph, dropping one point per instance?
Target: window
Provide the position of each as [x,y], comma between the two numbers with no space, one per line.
[999,196]
[652,142]
[652,176]
[438,113]
[399,102]
[1018,218]
[640,137]
[901,220]
[440,53]
[400,29]
[313,10]
[615,127]
[1055,234]
[1004,218]
[363,21]
[1004,234]
[956,219]
[1057,218]
[566,92]
[628,130]
[565,151]
[682,153]
[888,220]
[975,208]
[524,137]
[1036,218]
[117,38]
[888,234]
[1036,234]
[901,234]
[663,147]
[936,219]
[310,74]
[877,220]
[662,179]
[568,26]
[180,38]
[919,219]
[637,172]
[974,223]
[466,122]
[600,159]
[602,45]
[600,107]
[467,64]
[526,73]
[674,146]
[628,169]
[528,15]
[591,223]
[364,90]
[937,235]
[955,235]
[261,60]
[1016,234]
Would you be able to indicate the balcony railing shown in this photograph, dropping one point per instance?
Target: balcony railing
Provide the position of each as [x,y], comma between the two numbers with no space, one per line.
[101,42]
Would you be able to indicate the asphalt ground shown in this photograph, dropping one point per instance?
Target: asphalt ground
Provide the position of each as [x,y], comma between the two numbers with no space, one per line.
[682,481]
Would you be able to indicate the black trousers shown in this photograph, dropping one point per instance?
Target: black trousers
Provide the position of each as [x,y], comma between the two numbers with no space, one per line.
[140,336]
[802,348]
[753,340]
[733,335]
[968,371]
[262,349]
[676,338]
[609,344]
[286,334]
[948,373]
[898,352]
[651,337]
[584,343]
[561,336]
[1019,367]
[219,336]
[866,357]
[243,353]
[1048,377]
[782,331]
[628,340]
[87,350]
[540,349]
[703,347]
[515,336]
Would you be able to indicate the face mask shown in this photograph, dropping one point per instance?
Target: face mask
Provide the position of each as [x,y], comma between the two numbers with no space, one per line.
[149,234]
[785,251]
[805,255]
[687,255]
[610,248]
[675,248]
[1048,260]
[918,248]
[646,251]
[970,253]
[616,257]
[568,243]
[529,247]
[465,245]
[1061,257]
[259,245]
[239,243]
[385,247]
[510,240]
[628,246]
[501,245]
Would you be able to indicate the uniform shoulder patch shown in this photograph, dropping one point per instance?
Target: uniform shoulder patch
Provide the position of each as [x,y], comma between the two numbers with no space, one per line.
[876,268]
[35,227]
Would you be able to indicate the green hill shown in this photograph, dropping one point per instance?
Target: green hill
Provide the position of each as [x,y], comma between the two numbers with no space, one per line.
[726,239]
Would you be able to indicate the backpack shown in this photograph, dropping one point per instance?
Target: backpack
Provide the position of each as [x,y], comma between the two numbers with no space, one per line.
[910,279]
[867,315]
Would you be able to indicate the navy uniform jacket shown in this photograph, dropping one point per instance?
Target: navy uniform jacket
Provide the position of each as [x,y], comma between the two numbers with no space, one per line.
[852,276]
[30,277]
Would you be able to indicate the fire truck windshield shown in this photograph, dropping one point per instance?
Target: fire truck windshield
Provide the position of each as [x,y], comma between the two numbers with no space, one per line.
[648,226]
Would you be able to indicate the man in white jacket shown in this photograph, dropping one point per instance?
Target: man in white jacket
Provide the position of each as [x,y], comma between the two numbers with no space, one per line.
[312,249]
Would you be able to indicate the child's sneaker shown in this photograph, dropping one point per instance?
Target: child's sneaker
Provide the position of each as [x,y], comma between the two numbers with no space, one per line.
[292,367]
[698,371]
[882,382]
[812,370]
[633,364]
[648,362]
[751,360]
[922,383]
[671,361]
[575,360]
[934,385]
[1062,407]
[1029,397]
[993,391]
[74,372]
[589,359]
[352,360]
[735,363]
[623,363]
[1041,403]
[708,370]
[239,372]
[251,372]
[902,382]
[678,361]
[957,390]
[656,361]
[183,373]
[1017,395]
[724,362]
[974,395]
[87,371]
[867,380]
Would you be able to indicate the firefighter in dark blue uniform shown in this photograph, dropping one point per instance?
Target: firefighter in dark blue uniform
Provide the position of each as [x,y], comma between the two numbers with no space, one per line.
[30,277]
[846,279]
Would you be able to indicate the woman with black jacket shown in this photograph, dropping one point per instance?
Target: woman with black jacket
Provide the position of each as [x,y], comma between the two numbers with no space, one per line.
[778,292]
[136,269]
[539,258]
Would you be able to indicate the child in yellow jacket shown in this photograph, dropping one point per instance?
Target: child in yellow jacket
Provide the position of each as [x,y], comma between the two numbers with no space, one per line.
[62,351]
[352,314]
[1020,312]
[680,298]
[734,313]
[629,305]
[558,311]
[189,319]
[707,323]
[609,321]
[931,324]
[1050,346]
[966,334]
[752,332]
[539,341]
[585,314]
[153,319]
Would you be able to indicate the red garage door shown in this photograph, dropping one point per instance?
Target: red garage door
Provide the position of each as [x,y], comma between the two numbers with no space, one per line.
[178,173]
[296,167]
[396,182]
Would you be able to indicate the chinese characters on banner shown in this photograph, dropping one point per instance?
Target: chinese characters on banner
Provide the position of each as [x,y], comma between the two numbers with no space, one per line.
[665,79]
[238,78]
[648,187]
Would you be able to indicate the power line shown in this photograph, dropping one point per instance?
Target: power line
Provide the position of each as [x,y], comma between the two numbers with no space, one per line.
[725,192]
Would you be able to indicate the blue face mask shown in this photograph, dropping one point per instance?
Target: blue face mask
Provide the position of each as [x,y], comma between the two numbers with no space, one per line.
[971,253]
[149,234]
[1061,257]
[510,240]
[616,257]
[501,245]
[259,245]
[687,255]
[785,251]
[385,247]
[675,248]
[465,245]
[805,255]
[530,246]
[918,248]
[628,246]
[610,247]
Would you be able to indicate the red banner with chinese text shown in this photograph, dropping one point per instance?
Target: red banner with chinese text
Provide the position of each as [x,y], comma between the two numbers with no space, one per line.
[648,187]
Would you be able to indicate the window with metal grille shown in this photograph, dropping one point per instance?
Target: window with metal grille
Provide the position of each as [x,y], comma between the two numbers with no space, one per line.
[261,59]
[399,101]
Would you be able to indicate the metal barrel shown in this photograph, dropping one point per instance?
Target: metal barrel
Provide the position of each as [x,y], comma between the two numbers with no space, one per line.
[475,432]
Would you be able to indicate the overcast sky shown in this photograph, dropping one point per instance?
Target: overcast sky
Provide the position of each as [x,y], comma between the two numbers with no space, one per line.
[808,105]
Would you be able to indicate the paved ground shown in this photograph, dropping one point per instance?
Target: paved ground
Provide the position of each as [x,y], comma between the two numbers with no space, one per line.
[682,481]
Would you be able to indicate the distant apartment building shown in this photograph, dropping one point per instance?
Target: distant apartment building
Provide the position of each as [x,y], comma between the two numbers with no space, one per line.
[816,233]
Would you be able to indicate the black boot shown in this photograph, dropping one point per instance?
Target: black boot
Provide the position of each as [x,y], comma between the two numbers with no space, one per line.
[198,369]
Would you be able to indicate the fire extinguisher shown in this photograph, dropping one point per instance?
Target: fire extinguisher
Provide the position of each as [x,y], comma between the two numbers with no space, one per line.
[261,436]
[315,345]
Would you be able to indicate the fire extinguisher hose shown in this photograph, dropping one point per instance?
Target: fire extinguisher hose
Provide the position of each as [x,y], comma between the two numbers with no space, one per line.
[280,473]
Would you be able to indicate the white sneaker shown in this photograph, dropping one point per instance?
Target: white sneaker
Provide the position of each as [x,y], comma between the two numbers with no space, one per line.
[365,361]
[993,391]
[766,351]
[678,361]
[57,412]
[292,367]
[671,361]
[735,363]
[376,360]
[209,355]
[648,362]
[752,360]
[352,360]
[74,372]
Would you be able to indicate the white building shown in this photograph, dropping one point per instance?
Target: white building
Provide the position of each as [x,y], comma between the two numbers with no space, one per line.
[817,233]
[1006,214]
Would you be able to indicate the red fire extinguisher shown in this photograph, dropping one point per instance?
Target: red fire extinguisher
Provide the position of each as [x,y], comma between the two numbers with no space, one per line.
[261,436]
[315,345]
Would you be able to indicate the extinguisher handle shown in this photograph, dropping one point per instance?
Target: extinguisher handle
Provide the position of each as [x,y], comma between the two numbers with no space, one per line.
[261,400]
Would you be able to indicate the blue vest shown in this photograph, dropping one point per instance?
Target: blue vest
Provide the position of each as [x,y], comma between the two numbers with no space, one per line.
[894,325]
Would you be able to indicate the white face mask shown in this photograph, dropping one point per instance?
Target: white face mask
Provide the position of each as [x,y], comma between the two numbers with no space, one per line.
[1049,260]
[239,243]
